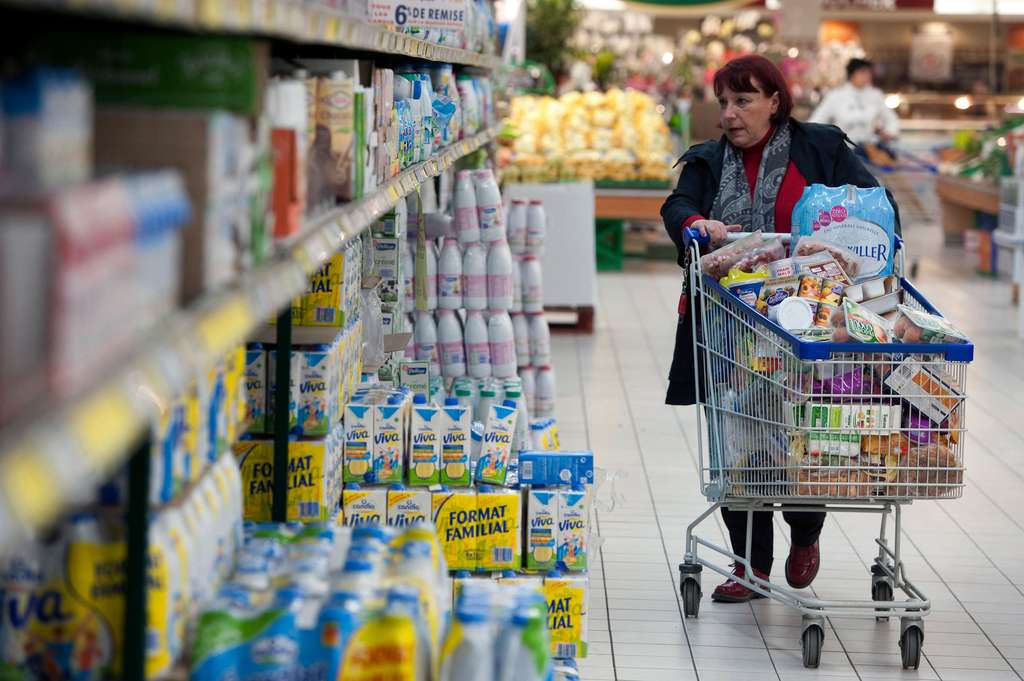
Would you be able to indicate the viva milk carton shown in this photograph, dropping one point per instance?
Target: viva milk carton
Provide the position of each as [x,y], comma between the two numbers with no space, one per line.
[425,443]
[497,443]
[358,465]
[573,528]
[363,506]
[407,506]
[455,443]
[541,529]
[389,440]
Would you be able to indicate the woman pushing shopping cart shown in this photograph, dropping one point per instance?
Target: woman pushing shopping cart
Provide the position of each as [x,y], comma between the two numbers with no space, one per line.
[803,414]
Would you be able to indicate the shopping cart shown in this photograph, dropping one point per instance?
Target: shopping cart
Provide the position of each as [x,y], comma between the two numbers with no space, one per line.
[797,425]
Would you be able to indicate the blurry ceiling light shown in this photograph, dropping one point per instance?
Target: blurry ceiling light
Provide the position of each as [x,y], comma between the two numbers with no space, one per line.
[793,53]
[667,58]
[893,101]
[963,102]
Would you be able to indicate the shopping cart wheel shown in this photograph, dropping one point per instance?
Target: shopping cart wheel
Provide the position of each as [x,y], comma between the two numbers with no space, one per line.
[812,641]
[690,591]
[881,591]
[911,641]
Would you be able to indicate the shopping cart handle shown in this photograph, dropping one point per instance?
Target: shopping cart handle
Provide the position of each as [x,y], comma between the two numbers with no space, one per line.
[694,234]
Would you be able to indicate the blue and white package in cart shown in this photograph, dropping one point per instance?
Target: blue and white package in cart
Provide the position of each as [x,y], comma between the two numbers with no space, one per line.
[556,468]
[859,219]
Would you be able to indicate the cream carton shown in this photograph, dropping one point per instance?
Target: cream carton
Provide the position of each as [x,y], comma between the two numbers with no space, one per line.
[363,506]
[389,421]
[573,528]
[455,443]
[455,516]
[358,463]
[542,529]
[567,602]
[425,434]
[408,506]
[497,443]
[499,540]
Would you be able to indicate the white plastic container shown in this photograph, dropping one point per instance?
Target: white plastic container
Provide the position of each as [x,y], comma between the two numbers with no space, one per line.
[532,284]
[544,396]
[467,223]
[449,276]
[526,376]
[478,349]
[517,285]
[451,347]
[488,206]
[410,347]
[431,258]
[536,226]
[540,340]
[425,333]
[409,276]
[521,332]
[503,347]
[517,226]
[499,276]
[474,277]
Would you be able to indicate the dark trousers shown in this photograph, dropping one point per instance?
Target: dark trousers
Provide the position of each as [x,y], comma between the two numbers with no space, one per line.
[805,526]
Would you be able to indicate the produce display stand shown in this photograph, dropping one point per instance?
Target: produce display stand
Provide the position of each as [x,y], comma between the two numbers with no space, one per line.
[959,199]
[629,204]
[109,424]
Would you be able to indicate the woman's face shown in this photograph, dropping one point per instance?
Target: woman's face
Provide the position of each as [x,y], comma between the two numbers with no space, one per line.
[746,117]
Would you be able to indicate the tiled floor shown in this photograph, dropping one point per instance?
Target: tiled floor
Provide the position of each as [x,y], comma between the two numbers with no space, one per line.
[968,554]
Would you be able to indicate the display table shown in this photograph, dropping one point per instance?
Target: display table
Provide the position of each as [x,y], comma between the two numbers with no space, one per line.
[630,204]
[959,199]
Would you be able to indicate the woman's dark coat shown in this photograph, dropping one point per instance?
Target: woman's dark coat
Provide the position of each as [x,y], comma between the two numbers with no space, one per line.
[819,152]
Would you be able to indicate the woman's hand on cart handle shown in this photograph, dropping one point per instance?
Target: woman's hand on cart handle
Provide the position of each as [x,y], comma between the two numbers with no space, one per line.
[714,231]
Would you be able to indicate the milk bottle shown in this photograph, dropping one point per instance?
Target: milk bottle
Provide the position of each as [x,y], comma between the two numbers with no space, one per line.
[521,332]
[517,286]
[540,340]
[426,341]
[517,226]
[499,276]
[478,352]
[449,276]
[545,393]
[474,278]
[452,349]
[488,206]
[533,285]
[501,338]
[536,226]
[466,221]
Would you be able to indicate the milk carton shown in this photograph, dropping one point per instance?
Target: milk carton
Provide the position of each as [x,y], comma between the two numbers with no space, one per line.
[322,303]
[311,484]
[499,541]
[567,602]
[455,443]
[315,389]
[408,506]
[389,422]
[358,464]
[415,375]
[255,385]
[425,443]
[542,530]
[363,506]
[573,528]
[294,376]
[454,513]
[497,443]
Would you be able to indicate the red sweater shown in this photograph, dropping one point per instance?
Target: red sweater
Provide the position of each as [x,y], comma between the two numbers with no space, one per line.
[792,187]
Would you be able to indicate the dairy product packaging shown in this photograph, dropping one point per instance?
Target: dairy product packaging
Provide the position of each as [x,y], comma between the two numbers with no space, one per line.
[256,387]
[454,514]
[390,423]
[455,443]
[407,507]
[573,528]
[544,469]
[499,541]
[363,505]
[542,530]
[567,598]
[358,454]
[497,443]
[425,436]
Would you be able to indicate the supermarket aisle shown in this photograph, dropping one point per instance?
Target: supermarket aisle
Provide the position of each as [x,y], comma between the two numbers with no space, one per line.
[968,555]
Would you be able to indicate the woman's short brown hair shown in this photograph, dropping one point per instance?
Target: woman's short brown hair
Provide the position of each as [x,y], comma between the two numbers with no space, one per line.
[739,75]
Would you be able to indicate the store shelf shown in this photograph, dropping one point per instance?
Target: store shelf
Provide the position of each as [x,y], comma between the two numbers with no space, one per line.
[57,460]
[284,19]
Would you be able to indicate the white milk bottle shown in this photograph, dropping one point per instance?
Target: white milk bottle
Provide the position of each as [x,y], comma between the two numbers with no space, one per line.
[533,285]
[431,262]
[452,350]
[474,277]
[488,206]
[517,226]
[517,286]
[544,399]
[540,340]
[409,276]
[536,226]
[499,276]
[468,652]
[521,331]
[478,349]
[503,346]
[488,396]
[449,275]
[410,347]
[425,333]
[466,221]
[526,375]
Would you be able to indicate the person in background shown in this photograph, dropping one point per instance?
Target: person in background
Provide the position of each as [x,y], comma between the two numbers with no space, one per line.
[750,179]
[858,107]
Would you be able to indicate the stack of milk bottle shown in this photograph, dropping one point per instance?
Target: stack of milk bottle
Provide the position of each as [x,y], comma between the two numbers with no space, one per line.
[484,302]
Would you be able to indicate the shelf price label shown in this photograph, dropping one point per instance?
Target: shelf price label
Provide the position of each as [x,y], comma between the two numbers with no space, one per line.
[448,14]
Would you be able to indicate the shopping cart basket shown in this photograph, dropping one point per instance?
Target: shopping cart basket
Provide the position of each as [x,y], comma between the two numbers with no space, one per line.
[797,425]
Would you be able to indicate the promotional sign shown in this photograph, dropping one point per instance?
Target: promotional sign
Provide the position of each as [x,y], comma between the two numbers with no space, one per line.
[438,14]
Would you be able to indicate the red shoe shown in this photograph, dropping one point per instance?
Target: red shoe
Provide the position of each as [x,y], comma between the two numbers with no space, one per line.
[802,565]
[734,592]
